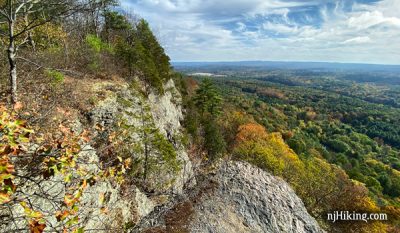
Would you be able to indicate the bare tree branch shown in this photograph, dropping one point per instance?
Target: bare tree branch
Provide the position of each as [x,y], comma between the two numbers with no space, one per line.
[34,24]
[2,12]
[20,6]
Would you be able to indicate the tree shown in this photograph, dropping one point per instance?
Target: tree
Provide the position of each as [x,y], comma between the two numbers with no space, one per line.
[115,24]
[139,50]
[23,16]
[152,152]
[207,99]
[208,103]
[96,9]
[156,51]
[214,141]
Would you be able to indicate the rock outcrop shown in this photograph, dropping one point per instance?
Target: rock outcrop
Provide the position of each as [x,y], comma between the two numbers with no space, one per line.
[121,207]
[240,198]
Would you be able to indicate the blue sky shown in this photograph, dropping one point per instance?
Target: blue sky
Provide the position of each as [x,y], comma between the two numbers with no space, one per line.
[361,31]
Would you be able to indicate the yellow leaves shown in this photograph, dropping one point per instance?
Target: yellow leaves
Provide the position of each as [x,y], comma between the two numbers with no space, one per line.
[267,151]
[13,137]
[68,178]
[36,221]
[6,168]
[127,163]
[78,230]
[29,212]
[49,35]
[60,157]
[69,200]
[101,198]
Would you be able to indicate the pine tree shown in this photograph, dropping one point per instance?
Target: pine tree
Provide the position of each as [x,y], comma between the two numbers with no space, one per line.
[207,98]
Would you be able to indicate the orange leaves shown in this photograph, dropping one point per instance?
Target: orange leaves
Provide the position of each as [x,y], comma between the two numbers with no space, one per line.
[62,215]
[5,168]
[69,200]
[36,227]
[18,106]
[4,198]
[250,132]
[59,156]
[70,212]
[64,152]
[13,137]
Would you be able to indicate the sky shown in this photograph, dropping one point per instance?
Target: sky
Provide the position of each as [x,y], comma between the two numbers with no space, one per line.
[356,31]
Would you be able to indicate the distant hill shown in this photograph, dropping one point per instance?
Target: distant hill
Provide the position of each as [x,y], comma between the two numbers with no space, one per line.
[320,66]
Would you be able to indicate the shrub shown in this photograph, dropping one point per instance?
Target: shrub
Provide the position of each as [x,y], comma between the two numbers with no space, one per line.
[55,76]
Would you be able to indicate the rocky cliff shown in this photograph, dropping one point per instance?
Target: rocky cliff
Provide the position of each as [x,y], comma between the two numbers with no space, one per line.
[107,205]
[235,197]
[238,197]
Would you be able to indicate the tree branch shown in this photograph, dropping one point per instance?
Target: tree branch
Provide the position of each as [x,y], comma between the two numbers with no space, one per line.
[2,12]
[34,24]
[20,6]
[43,67]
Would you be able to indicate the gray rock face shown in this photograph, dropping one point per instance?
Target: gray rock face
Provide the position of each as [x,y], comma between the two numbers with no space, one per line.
[248,199]
[122,206]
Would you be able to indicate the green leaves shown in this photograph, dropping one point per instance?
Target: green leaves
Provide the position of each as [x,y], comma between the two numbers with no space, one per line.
[207,98]
[56,77]
[94,43]
[140,51]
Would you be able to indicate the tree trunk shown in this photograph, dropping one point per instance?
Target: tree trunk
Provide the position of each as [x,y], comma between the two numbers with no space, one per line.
[146,146]
[29,37]
[146,161]
[11,52]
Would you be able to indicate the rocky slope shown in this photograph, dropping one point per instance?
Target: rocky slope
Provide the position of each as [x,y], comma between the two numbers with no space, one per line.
[237,198]
[122,206]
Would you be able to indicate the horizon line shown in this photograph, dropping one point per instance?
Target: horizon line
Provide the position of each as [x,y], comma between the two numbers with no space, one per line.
[331,62]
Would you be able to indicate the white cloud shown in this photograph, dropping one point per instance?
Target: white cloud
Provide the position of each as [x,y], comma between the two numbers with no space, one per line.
[280,28]
[369,19]
[195,30]
[357,40]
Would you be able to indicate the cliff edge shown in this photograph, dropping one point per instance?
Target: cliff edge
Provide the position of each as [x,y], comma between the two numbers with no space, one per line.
[238,197]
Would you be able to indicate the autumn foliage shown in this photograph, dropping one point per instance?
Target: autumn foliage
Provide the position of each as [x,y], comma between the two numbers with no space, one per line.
[323,187]
[54,156]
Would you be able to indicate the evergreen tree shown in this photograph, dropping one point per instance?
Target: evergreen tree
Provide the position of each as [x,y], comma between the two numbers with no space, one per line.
[156,51]
[207,98]
[213,140]
[208,101]
[115,24]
